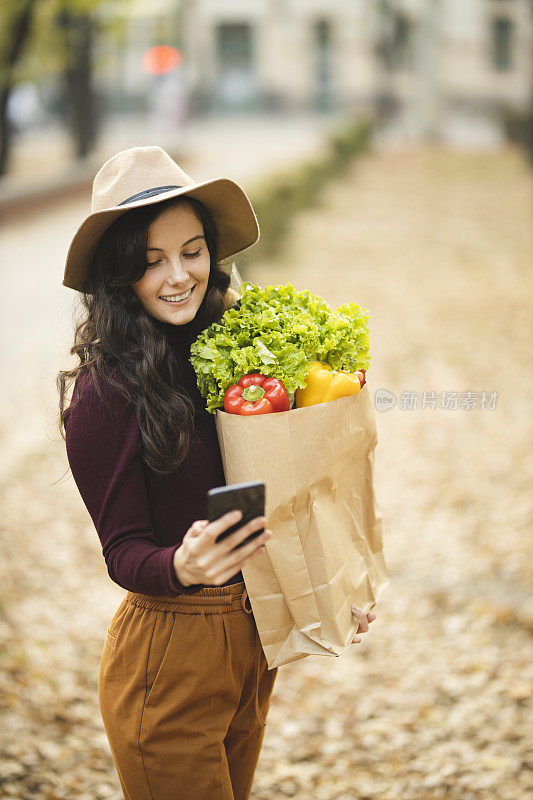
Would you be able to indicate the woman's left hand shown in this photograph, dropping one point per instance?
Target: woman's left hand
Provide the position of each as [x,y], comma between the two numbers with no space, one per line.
[364,621]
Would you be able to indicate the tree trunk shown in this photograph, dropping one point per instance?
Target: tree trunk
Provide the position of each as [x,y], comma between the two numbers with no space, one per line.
[20,29]
[80,98]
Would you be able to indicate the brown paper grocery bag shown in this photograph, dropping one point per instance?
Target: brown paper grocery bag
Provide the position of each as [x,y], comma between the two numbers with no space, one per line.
[326,552]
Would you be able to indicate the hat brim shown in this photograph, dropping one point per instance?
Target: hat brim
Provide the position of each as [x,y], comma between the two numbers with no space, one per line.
[227,202]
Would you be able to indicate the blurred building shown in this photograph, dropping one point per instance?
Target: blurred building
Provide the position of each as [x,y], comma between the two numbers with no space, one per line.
[279,54]
[443,69]
[446,67]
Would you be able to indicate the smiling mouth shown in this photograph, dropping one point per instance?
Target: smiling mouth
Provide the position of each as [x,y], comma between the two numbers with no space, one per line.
[177,298]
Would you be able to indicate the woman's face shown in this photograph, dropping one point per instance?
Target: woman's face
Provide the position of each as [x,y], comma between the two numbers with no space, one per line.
[177,261]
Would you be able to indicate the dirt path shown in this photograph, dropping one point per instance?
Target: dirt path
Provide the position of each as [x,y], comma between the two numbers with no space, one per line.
[433,704]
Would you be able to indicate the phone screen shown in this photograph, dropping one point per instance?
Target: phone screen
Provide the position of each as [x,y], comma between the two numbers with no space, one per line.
[249,498]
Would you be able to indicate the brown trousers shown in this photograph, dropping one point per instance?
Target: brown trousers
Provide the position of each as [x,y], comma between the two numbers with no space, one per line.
[184,692]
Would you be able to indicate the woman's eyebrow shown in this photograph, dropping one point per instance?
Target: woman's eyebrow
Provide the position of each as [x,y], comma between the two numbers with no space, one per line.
[199,236]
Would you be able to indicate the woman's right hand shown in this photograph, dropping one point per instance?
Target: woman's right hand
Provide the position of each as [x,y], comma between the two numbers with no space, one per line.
[201,559]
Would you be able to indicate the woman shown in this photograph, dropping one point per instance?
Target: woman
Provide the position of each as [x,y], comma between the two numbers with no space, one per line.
[184,687]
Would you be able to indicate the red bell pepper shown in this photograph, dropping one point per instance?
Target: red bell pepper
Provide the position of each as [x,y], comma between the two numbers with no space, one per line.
[256,394]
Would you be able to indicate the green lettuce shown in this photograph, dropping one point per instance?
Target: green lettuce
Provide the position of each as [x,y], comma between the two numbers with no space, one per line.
[277,331]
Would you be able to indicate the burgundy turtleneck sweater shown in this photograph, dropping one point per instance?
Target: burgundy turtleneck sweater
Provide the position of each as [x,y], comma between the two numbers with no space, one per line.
[141,517]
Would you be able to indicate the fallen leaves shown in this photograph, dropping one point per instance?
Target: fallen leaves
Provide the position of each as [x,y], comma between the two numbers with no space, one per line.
[435,704]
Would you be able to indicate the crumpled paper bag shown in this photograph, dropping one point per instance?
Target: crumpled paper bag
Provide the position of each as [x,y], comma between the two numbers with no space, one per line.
[326,552]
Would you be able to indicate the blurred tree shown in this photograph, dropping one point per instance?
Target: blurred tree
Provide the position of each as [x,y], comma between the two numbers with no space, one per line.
[78,29]
[41,38]
[16,24]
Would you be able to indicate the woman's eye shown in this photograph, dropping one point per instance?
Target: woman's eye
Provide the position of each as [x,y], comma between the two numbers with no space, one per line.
[186,255]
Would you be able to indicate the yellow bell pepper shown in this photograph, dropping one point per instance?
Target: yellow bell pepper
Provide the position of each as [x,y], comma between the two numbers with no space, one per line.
[324,384]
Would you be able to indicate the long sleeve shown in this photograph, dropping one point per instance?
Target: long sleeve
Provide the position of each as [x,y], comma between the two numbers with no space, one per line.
[103,449]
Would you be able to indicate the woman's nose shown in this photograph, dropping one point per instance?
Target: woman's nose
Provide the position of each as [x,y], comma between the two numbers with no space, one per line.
[176,272]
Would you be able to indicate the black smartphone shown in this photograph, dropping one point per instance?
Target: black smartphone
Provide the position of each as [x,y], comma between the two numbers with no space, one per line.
[246,497]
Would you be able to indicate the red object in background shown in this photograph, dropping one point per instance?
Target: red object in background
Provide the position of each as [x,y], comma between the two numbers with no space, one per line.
[256,394]
[161,58]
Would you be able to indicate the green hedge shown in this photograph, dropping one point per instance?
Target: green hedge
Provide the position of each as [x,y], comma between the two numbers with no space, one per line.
[519,129]
[278,199]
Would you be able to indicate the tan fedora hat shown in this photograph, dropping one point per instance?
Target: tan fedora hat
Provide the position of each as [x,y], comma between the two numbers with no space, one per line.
[141,176]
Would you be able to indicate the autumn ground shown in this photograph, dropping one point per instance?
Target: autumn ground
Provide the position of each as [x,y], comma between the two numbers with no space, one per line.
[433,705]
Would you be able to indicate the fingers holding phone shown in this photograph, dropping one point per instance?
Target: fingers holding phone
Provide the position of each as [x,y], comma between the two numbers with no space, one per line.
[242,544]
[201,559]
[213,552]
[230,532]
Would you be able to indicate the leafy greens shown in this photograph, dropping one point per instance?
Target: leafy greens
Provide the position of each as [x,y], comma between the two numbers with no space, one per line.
[277,331]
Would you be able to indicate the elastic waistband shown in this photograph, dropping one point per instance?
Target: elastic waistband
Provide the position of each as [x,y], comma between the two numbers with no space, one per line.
[211,600]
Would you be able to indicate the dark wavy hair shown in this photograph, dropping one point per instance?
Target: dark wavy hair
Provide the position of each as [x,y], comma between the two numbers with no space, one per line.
[118,333]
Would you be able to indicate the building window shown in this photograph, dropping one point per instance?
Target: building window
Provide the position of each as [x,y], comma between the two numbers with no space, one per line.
[234,44]
[235,60]
[502,43]
[401,56]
